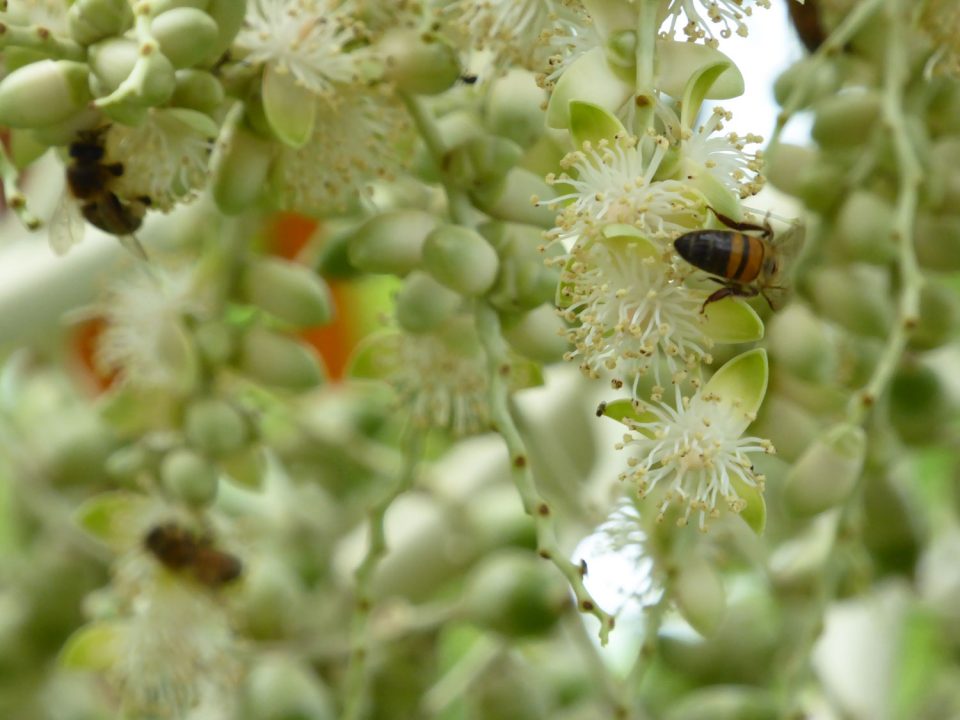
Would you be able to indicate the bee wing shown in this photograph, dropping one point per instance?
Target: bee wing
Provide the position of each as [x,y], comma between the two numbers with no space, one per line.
[789,243]
[788,246]
[67,225]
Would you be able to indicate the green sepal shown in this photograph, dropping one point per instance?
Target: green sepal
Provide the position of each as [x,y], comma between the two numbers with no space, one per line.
[678,61]
[732,321]
[742,382]
[754,513]
[290,108]
[367,360]
[624,410]
[697,88]
[96,646]
[115,518]
[592,123]
[591,79]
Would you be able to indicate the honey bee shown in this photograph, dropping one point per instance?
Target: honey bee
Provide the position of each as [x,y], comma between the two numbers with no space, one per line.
[180,550]
[746,265]
[89,181]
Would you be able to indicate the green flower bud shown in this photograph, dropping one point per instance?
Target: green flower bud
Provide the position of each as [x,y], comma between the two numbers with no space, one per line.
[423,304]
[939,317]
[127,462]
[856,296]
[185,35]
[281,688]
[289,291]
[699,594]
[525,282]
[240,169]
[188,477]
[514,107]
[280,361]
[816,78]
[480,166]
[537,334]
[214,427]
[937,242]
[789,426]
[511,201]
[461,259]
[267,587]
[788,164]
[197,90]
[516,594]
[215,341]
[822,186]
[920,407]
[943,109]
[391,242]
[455,129]
[228,16]
[112,61]
[43,93]
[799,341]
[863,228]
[417,63]
[827,472]
[77,452]
[65,132]
[91,20]
[846,120]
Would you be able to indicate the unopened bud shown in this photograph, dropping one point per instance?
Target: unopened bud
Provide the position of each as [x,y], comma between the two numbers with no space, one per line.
[920,406]
[43,93]
[278,360]
[728,702]
[161,6]
[391,242]
[189,477]
[864,226]
[524,282]
[91,20]
[197,90]
[537,334]
[799,340]
[185,35]
[827,472]
[513,107]
[856,296]
[289,291]
[786,165]
[937,241]
[112,61]
[814,79]
[240,168]
[845,120]
[228,15]
[423,304]
[516,594]
[280,687]
[699,594]
[461,259]
[939,317]
[214,427]
[269,586]
[418,64]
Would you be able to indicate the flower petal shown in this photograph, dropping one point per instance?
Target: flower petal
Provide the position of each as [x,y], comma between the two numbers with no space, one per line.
[117,518]
[95,646]
[732,321]
[754,514]
[678,61]
[589,78]
[592,123]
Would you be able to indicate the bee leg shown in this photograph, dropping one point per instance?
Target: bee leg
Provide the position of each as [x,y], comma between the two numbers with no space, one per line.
[764,229]
[724,292]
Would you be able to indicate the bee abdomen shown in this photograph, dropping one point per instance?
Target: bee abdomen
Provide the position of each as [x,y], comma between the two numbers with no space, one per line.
[709,250]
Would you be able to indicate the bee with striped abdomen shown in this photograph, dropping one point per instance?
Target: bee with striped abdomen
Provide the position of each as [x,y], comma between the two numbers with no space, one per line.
[745,264]
[179,549]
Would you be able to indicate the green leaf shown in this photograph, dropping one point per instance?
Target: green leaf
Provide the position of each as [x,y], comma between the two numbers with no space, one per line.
[697,88]
[732,321]
[678,61]
[116,518]
[742,382]
[290,108]
[96,646]
[592,123]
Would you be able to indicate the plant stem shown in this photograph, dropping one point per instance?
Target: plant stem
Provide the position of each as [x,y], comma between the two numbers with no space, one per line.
[645,96]
[36,37]
[548,547]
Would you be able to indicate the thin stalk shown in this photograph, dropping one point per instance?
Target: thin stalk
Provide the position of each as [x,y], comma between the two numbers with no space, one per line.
[39,38]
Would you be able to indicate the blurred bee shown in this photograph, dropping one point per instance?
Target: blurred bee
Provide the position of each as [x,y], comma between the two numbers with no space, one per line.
[180,550]
[746,265]
[88,185]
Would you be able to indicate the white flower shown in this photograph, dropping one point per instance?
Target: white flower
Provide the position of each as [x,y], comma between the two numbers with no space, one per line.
[628,310]
[727,14]
[165,158]
[440,377]
[510,28]
[704,151]
[692,453]
[570,40]
[302,37]
[145,339]
[355,140]
[613,183]
[176,652]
